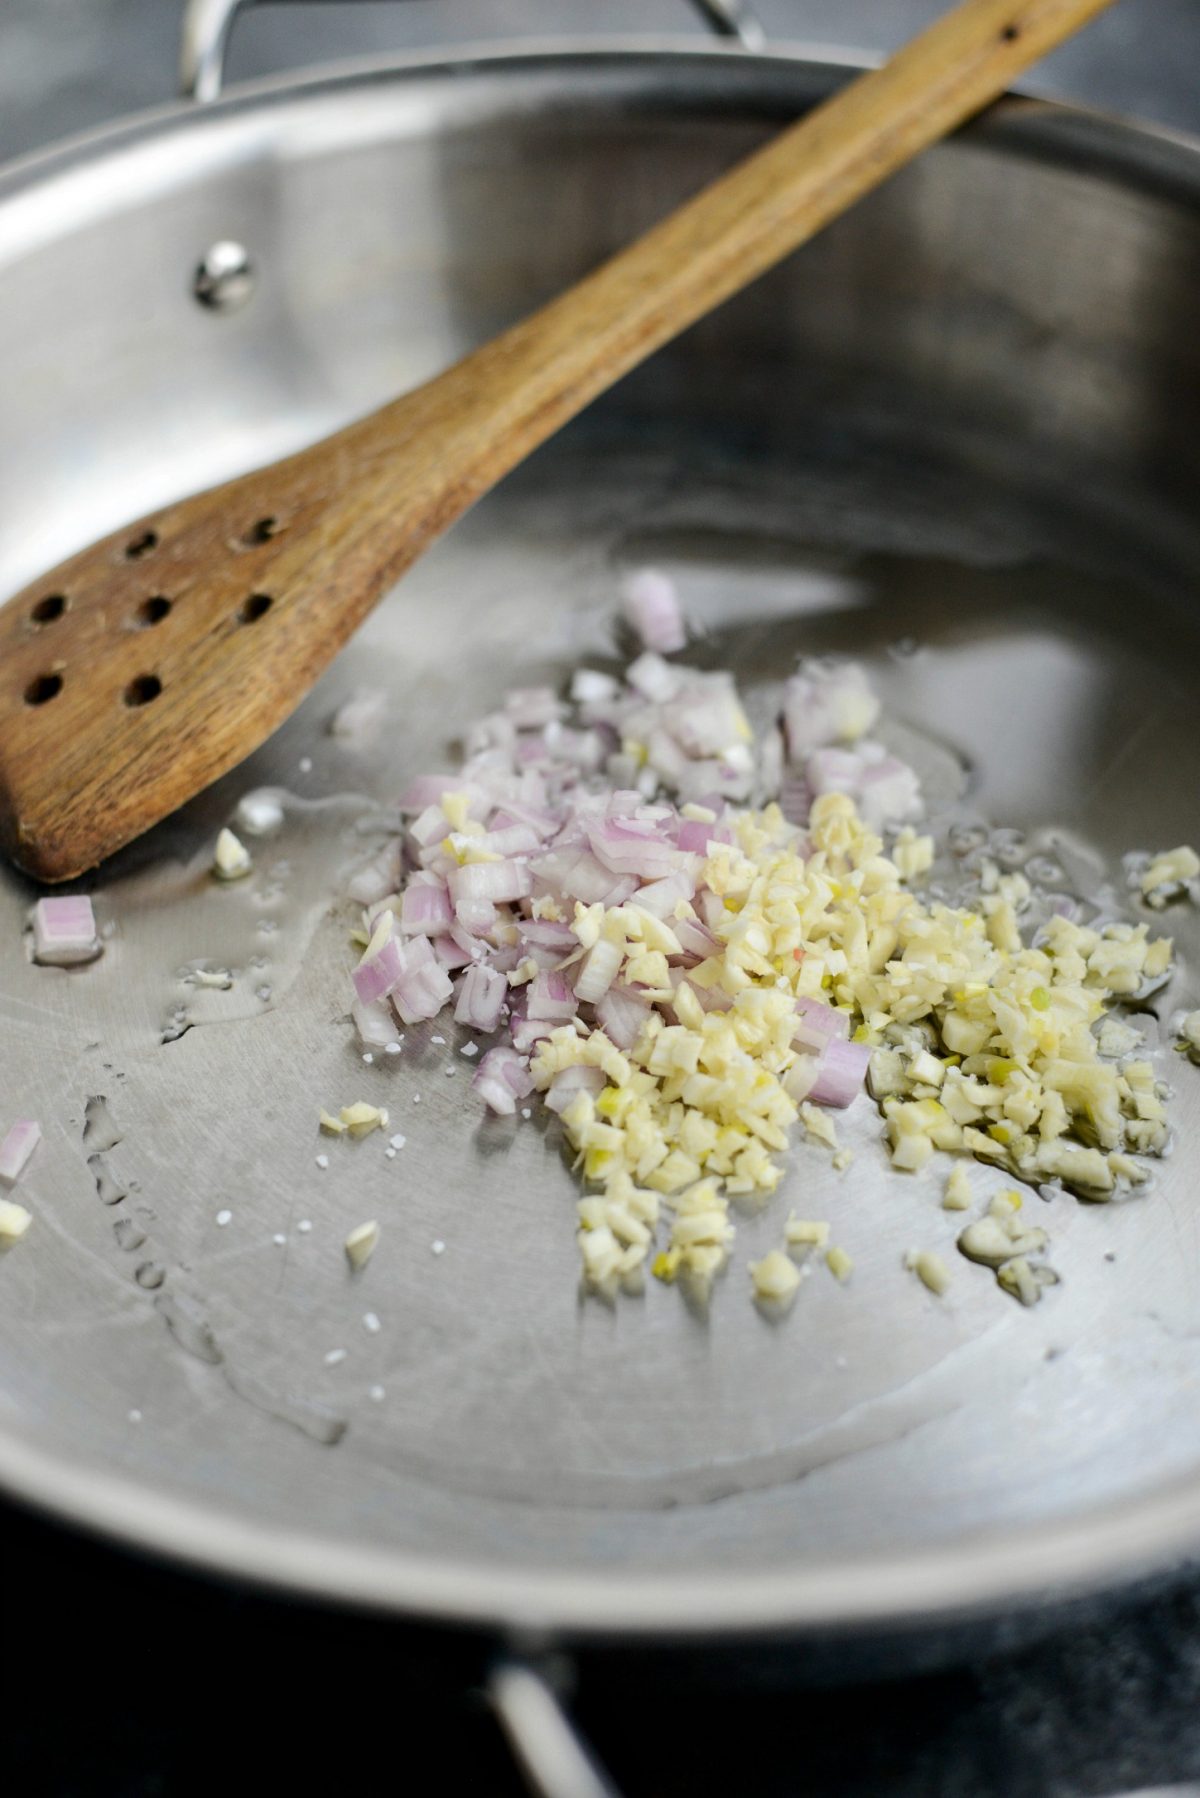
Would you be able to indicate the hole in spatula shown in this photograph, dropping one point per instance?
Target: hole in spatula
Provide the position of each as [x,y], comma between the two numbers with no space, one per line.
[141,546]
[153,610]
[48,609]
[142,690]
[256,607]
[45,687]
[262,530]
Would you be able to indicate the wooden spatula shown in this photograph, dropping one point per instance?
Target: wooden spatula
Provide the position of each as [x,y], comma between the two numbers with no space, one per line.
[139,671]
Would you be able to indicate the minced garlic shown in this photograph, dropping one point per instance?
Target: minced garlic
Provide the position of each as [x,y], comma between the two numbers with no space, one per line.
[958,1194]
[231,858]
[14,1220]
[361,1243]
[775,1277]
[1025,1281]
[819,1125]
[982,1046]
[839,1263]
[360,1119]
[1168,869]
[913,855]
[1188,1038]
[995,1239]
[929,1268]
[799,1233]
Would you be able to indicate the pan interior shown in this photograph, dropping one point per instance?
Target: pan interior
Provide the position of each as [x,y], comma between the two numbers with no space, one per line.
[182,1314]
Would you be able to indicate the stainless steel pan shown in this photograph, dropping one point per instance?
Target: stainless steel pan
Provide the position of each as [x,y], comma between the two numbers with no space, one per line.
[957,436]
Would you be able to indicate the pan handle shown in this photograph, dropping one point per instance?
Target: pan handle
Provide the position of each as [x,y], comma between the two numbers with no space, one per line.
[546,1745]
[208,24]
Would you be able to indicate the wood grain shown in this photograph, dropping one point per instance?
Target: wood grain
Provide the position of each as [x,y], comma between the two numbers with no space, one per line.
[255,615]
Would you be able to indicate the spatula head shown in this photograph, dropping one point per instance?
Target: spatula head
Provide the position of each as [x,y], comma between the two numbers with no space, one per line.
[143,668]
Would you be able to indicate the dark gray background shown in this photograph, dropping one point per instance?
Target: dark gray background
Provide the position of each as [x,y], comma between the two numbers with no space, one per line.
[66,64]
[127,1679]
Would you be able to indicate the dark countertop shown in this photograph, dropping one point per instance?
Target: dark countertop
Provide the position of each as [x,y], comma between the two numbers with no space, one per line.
[131,1679]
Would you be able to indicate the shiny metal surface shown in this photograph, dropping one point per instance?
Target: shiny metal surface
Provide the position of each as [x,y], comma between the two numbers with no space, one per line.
[963,419]
[547,1747]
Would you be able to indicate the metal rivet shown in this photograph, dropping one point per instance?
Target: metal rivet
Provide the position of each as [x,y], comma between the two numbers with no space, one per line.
[224,278]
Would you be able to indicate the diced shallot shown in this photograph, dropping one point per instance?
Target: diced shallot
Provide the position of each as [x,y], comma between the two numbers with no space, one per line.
[502,1078]
[566,1085]
[451,953]
[597,972]
[527,1033]
[531,707]
[653,678]
[627,847]
[818,1024]
[551,997]
[481,996]
[621,1014]
[374,1024]
[498,882]
[588,687]
[694,938]
[376,878]
[17,1147]
[841,1075]
[651,606]
[661,897]
[423,985]
[430,828]
[474,917]
[695,837]
[537,933]
[64,931]
[427,790]
[381,964]
[425,908]
[827,702]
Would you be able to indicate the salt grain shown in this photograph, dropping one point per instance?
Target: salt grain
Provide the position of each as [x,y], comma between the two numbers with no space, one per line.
[223,1217]
[135,1416]
[304,1226]
[305,764]
[469,1049]
[439,1040]
[391,1048]
[371,1323]
[334,1356]
[279,1239]
[361,1243]
[526,1112]
[375,1392]
[439,1247]
[398,1141]
[259,813]
[369,1058]
[322,1161]
[390,1154]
